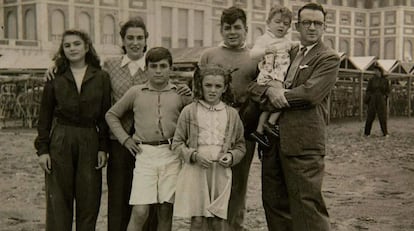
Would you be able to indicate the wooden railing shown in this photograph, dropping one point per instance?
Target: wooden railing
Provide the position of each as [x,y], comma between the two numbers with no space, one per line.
[20,99]
[20,96]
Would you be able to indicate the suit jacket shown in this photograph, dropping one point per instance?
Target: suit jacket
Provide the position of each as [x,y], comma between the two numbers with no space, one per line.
[303,124]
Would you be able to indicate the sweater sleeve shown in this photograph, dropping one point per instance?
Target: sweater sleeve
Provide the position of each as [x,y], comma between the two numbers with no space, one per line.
[101,123]
[181,136]
[47,108]
[238,148]
[115,113]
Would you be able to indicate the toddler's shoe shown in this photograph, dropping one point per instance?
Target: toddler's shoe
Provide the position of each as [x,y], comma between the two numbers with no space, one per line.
[261,139]
[272,129]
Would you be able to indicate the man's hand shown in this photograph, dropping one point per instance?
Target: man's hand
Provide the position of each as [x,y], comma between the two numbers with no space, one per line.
[277,97]
[132,146]
[102,158]
[45,163]
[183,89]
[226,160]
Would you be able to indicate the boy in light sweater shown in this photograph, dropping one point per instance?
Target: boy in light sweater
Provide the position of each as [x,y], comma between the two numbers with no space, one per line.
[156,106]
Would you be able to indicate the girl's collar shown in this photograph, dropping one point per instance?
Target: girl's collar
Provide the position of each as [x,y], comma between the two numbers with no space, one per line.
[218,107]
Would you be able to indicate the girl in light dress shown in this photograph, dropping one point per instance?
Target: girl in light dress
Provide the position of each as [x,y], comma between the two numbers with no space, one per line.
[209,139]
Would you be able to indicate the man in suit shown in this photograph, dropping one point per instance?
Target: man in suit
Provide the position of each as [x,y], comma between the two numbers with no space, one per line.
[293,167]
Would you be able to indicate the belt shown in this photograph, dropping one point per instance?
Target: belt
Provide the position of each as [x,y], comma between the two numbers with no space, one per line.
[156,143]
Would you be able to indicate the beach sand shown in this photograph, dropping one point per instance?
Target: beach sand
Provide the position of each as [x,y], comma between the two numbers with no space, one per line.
[368,185]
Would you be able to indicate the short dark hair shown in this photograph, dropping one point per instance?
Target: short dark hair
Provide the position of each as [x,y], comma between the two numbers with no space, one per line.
[230,16]
[157,54]
[312,6]
[136,22]
[286,12]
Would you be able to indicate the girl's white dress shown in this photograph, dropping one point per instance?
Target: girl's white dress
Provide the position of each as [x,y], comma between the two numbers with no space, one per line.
[200,191]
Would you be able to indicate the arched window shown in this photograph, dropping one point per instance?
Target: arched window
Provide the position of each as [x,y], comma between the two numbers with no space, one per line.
[408,51]
[374,51]
[359,49]
[108,30]
[85,22]
[330,43]
[216,33]
[257,32]
[29,25]
[11,28]
[58,25]
[344,46]
[389,51]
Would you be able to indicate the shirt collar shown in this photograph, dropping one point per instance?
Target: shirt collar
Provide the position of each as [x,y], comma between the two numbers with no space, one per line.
[218,107]
[169,87]
[308,48]
[222,44]
[126,60]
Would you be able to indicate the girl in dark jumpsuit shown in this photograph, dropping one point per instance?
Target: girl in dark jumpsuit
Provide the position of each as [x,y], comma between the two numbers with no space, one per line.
[73,135]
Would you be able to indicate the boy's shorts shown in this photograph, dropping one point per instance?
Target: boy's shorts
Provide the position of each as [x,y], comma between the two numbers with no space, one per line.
[155,175]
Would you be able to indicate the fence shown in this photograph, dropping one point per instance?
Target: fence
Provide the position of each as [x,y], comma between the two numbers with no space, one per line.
[20,98]
[20,95]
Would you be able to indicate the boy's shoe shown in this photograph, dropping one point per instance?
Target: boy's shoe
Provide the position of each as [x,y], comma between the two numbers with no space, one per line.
[272,129]
[261,139]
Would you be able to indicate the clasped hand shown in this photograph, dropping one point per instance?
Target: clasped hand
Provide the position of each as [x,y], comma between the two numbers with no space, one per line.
[226,160]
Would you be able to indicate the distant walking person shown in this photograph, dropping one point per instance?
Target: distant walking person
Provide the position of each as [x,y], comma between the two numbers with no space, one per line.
[72,141]
[376,98]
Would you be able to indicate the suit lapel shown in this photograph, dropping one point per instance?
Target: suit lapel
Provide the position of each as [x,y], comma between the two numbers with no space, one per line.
[314,52]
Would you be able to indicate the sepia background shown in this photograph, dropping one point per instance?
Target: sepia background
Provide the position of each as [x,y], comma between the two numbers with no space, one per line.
[369,182]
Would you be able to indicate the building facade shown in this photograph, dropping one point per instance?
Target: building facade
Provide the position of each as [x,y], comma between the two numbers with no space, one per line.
[382,28]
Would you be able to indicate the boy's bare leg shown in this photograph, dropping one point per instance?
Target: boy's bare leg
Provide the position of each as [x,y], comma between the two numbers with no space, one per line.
[262,120]
[139,215]
[165,211]
[199,224]
[273,118]
[218,224]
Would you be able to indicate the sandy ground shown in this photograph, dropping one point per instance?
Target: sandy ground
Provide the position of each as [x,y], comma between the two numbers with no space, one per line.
[369,183]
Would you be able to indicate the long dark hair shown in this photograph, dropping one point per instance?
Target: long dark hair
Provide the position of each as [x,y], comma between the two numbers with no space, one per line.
[91,57]
[202,71]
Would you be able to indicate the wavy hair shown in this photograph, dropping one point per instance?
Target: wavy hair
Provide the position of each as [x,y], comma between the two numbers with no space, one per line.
[202,71]
[91,57]
[136,22]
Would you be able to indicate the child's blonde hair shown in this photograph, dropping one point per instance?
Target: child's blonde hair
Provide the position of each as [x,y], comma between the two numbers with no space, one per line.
[286,13]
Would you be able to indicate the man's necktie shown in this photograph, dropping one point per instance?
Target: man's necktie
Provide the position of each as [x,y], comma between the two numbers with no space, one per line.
[294,68]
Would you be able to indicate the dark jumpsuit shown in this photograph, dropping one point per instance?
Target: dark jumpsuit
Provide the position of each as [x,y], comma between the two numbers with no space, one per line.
[376,95]
[72,129]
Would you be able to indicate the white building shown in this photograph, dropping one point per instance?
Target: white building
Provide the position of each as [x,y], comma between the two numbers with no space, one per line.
[382,28]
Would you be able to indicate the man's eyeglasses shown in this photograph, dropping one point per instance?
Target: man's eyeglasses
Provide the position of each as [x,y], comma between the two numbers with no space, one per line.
[308,23]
